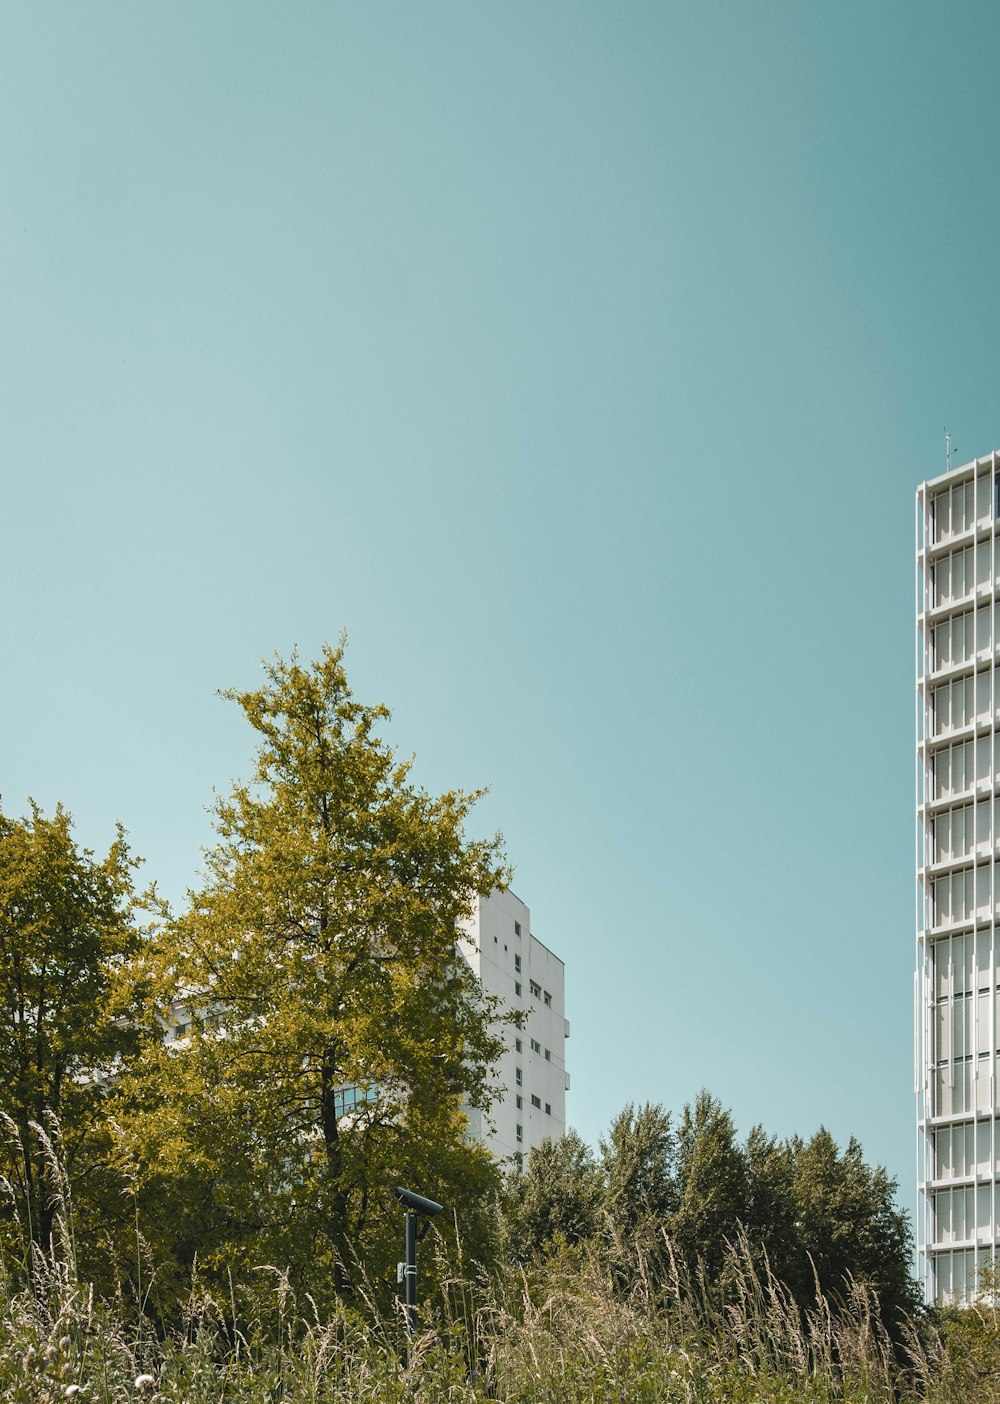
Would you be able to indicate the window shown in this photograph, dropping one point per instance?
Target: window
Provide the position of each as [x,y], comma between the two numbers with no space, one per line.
[548,999]
[536,1047]
[536,1101]
[517,962]
[520,1132]
[536,990]
[351,1099]
[519,1101]
[517,988]
[518,1160]
[548,1108]
[519,1077]
[548,1055]
[517,928]
[517,1045]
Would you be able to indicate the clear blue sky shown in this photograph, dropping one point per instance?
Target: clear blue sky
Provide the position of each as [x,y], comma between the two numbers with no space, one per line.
[581,361]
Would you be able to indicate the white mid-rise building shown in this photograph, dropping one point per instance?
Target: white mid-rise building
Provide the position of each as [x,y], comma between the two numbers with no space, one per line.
[532,1080]
[958,878]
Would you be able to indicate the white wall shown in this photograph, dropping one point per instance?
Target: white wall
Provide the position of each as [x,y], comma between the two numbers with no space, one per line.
[513,964]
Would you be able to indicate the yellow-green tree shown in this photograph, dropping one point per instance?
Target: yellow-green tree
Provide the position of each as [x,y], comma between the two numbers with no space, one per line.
[71,1007]
[335,1035]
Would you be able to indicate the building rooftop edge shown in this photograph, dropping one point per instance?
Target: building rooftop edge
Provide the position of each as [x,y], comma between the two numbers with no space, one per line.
[531,933]
[957,471]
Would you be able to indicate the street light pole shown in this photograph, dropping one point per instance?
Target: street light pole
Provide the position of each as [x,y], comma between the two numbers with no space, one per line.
[414,1204]
[410,1271]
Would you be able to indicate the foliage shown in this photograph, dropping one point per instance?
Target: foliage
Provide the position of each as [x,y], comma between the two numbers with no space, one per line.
[713,1181]
[319,958]
[968,1367]
[556,1199]
[72,1007]
[638,1160]
[848,1224]
[327,1041]
[817,1217]
[573,1338]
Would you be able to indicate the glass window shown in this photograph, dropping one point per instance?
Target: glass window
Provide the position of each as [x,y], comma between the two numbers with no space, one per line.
[983,498]
[519,1101]
[517,928]
[536,1101]
[548,1108]
[941,580]
[548,1055]
[519,1077]
[517,962]
[517,1045]
[957,571]
[941,511]
[548,999]
[517,988]
[941,709]
[941,832]
[349,1099]
[520,1132]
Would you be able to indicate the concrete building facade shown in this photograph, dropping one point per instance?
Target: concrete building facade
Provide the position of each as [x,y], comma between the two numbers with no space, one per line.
[532,1080]
[957,1032]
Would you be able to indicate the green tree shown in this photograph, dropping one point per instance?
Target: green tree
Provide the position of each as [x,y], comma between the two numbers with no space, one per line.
[712,1176]
[335,1033]
[638,1162]
[557,1198]
[848,1225]
[638,1159]
[71,1005]
[770,1216]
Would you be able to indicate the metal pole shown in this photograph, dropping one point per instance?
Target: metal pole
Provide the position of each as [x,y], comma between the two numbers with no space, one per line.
[410,1270]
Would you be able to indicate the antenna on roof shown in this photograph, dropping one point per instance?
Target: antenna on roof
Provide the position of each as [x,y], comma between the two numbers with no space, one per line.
[947,450]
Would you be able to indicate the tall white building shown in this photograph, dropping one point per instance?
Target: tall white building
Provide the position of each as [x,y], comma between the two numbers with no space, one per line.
[958,879]
[532,1083]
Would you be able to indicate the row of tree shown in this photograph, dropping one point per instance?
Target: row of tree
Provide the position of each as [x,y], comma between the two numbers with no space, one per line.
[659,1197]
[187,1077]
[317,956]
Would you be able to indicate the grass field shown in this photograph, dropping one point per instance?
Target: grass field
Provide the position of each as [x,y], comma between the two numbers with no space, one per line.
[565,1335]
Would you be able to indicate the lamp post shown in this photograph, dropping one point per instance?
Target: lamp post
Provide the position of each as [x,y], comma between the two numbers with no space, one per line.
[414,1204]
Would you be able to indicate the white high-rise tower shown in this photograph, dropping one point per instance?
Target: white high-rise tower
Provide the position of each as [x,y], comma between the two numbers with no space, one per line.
[958,879]
[532,1081]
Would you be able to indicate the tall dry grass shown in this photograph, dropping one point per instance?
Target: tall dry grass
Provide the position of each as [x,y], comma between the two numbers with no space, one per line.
[577,1330]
